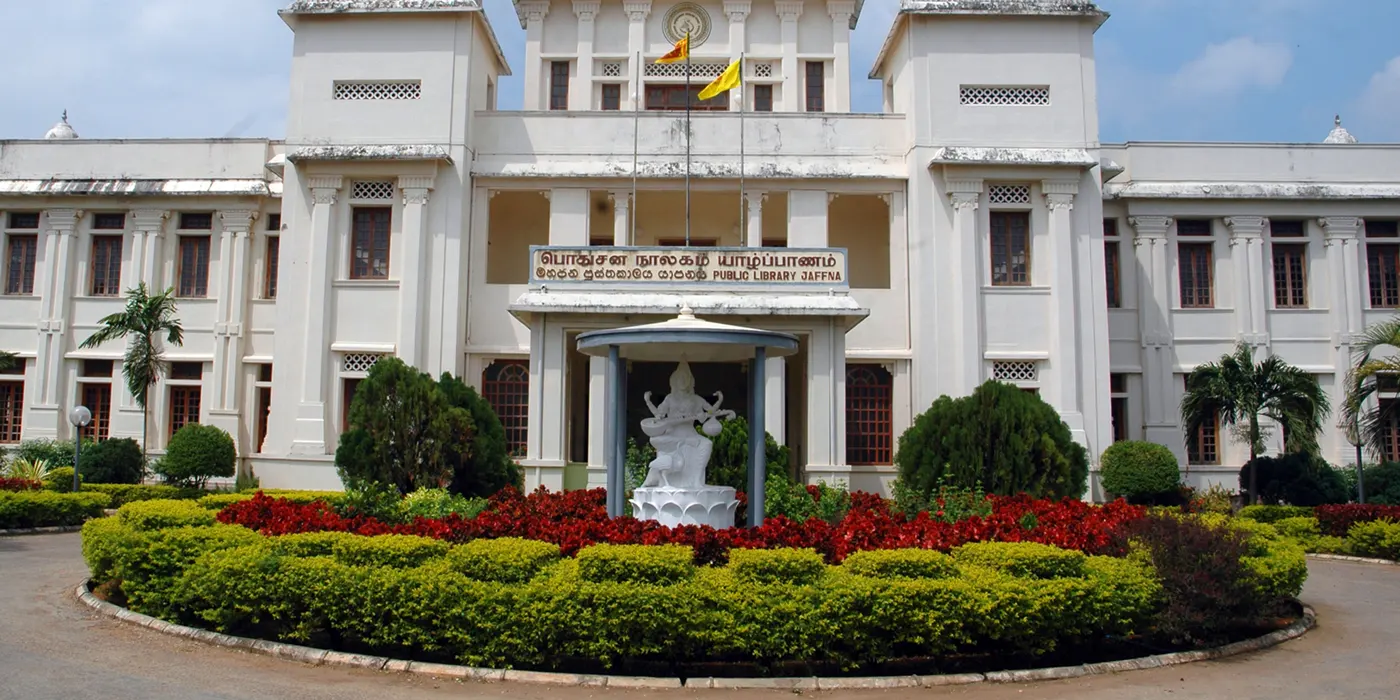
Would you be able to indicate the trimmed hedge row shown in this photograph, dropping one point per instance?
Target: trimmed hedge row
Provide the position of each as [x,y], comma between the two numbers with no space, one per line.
[122,494]
[517,603]
[25,509]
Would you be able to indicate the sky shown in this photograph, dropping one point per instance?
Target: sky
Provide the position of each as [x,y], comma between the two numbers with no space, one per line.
[1169,70]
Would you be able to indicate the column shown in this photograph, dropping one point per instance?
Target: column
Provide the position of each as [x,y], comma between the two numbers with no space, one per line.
[775,405]
[1247,254]
[1064,359]
[966,268]
[149,228]
[598,418]
[841,12]
[1162,423]
[581,87]
[753,234]
[622,207]
[1340,233]
[531,14]
[788,12]
[548,410]
[52,283]
[637,12]
[412,277]
[738,13]
[826,404]
[230,285]
[568,216]
[899,249]
[807,218]
[310,432]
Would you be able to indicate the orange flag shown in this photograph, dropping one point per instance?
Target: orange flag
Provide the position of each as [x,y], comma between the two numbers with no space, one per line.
[680,53]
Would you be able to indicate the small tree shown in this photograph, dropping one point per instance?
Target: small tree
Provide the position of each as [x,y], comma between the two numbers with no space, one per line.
[485,467]
[117,461]
[196,453]
[1241,391]
[1007,440]
[1142,472]
[145,320]
[729,463]
[403,431]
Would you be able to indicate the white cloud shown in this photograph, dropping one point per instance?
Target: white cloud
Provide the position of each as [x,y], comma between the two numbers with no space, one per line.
[1379,104]
[1226,69]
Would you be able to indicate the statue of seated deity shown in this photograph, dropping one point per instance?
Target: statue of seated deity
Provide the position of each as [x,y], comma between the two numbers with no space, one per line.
[681,453]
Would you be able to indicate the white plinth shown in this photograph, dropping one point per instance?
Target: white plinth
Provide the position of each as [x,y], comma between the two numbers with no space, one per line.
[708,505]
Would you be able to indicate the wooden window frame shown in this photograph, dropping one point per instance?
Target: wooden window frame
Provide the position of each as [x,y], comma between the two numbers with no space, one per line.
[1113,272]
[1390,430]
[1004,239]
[763,98]
[11,410]
[1383,274]
[1290,275]
[366,249]
[1196,295]
[192,268]
[106,268]
[661,98]
[21,259]
[1203,446]
[1118,405]
[610,99]
[97,397]
[505,384]
[185,401]
[814,85]
[869,415]
[272,255]
[559,85]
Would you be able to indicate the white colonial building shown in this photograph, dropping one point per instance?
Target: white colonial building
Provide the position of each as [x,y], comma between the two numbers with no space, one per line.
[975,229]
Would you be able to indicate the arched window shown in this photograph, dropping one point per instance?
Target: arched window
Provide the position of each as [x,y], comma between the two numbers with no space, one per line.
[506,385]
[869,415]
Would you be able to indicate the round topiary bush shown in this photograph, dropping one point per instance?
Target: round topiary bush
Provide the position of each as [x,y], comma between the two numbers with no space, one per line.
[117,461]
[196,453]
[1139,471]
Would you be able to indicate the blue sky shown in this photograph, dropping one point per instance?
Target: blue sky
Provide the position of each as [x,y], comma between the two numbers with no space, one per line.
[1215,70]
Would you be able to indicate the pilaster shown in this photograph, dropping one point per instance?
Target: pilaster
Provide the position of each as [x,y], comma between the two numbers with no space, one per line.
[637,12]
[622,207]
[311,421]
[737,12]
[228,284]
[148,226]
[1342,236]
[966,274]
[1064,360]
[841,12]
[412,277]
[568,216]
[532,14]
[753,233]
[1161,422]
[788,13]
[807,218]
[51,283]
[581,87]
[1247,254]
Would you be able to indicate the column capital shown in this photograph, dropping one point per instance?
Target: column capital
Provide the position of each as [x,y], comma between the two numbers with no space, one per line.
[1149,227]
[965,200]
[1337,228]
[841,10]
[1246,226]
[738,10]
[756,199]
[326,182]
[1058,201]
[62,220]
[622,199]
[965,186]
[1069,187]
[415,183]
[149,220]
[532,10]
[637,10]
[587,10]
[237,220]
[789,10]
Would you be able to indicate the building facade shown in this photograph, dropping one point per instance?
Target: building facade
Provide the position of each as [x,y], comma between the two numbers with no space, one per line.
[974,229]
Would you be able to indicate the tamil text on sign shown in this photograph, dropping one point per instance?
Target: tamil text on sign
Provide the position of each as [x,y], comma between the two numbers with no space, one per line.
[824,267]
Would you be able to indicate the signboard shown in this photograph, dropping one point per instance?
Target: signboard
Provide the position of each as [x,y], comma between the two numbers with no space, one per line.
[671,266]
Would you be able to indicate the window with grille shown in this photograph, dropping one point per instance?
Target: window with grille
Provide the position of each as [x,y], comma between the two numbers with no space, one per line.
[372,190]
[106,266]
[97,368]
[1383,274]
[1290,275]
[763,98]
[184,407]
[1011,248]
[1196,273]
[1113,273]
[1193,227]
[672,98]
[22,251]
[1004,96]
[1286,229]
[506,385]
[196,221]
[187,371]
[1203,445]
[1382,229]
[274,253]
[816,86]
[274,222]
[98,399]
[559,85]
[369,259]
[869,415]
[194,267]
[11,411]
[612,97]
[264,410]
[23,220]
[1009,194]
[1015,371]
[377,90]
[348,387]
[1390,430]
[114,221]
[1118,405]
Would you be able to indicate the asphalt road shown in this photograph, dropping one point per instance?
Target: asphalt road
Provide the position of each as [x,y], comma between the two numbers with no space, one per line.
[52,646]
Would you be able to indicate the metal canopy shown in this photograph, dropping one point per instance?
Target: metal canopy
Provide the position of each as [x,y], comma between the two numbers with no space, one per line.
[687,337]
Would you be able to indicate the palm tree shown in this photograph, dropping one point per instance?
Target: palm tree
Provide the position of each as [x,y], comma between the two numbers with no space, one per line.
[8,359]
[145,319]
[1364,382]
[1241,391]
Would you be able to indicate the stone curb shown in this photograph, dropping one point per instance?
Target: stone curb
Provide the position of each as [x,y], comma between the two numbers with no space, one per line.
[317,657]
[1357,560]
[57,529]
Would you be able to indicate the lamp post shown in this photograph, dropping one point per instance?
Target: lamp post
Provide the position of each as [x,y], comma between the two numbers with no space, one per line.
[80,417]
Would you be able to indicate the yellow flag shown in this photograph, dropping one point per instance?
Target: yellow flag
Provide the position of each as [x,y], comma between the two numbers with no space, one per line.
[728,80]
[679,53]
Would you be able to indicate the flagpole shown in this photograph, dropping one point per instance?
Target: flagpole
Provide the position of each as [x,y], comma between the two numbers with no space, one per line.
[743,206]
[687,139]
[636,141]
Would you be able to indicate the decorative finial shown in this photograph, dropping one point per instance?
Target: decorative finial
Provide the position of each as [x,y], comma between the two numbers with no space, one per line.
[65,116]
[1338,121]
[687,313]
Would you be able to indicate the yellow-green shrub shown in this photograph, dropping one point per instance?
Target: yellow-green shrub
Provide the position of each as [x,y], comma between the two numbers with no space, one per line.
[1378,538]
[1304,531]
[217,501]
[505,560]
[798,566]
[635,563]
[149,569]
[1025,559]
[309,544]
[901,564]
[159,515]
[123,494]
[397,551]
[1271,514]
[24,509]
[104,539]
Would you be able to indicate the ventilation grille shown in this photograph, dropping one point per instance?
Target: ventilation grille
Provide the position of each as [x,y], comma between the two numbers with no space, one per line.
[987,96]
[763,70]
[1009,194]
[378,90]
[677,70]
[610,69]
[375,190]
[1015,371]
[359,361]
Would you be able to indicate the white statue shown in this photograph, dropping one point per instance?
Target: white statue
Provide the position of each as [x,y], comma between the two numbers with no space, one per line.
[674,491]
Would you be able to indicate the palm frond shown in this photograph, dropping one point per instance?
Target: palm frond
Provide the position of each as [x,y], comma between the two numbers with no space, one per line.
[8,359]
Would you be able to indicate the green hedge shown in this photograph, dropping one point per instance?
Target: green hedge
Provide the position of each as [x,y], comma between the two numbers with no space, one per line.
[764,566]
[23,509]
[1378,538]
[1272,514]
[218,501]
[901,564]
[159,515]
[636,563]
[123,494]
[397,551]
[505,560]
[1023,559]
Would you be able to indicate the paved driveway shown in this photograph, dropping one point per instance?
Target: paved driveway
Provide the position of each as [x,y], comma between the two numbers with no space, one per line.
[52,646]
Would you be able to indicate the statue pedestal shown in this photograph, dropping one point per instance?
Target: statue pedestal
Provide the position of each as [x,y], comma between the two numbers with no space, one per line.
[707,505]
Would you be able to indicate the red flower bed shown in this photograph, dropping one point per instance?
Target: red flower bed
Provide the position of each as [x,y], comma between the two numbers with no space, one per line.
[576,519]
[1337,520]
[20,484]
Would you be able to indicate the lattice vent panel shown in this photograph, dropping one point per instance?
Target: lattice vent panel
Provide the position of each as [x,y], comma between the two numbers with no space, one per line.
[1009,194]
[1015,371]
[359,361]
[610,69]
[375,190]
[763,70]
[677,70]
[992,96]
[378,90]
